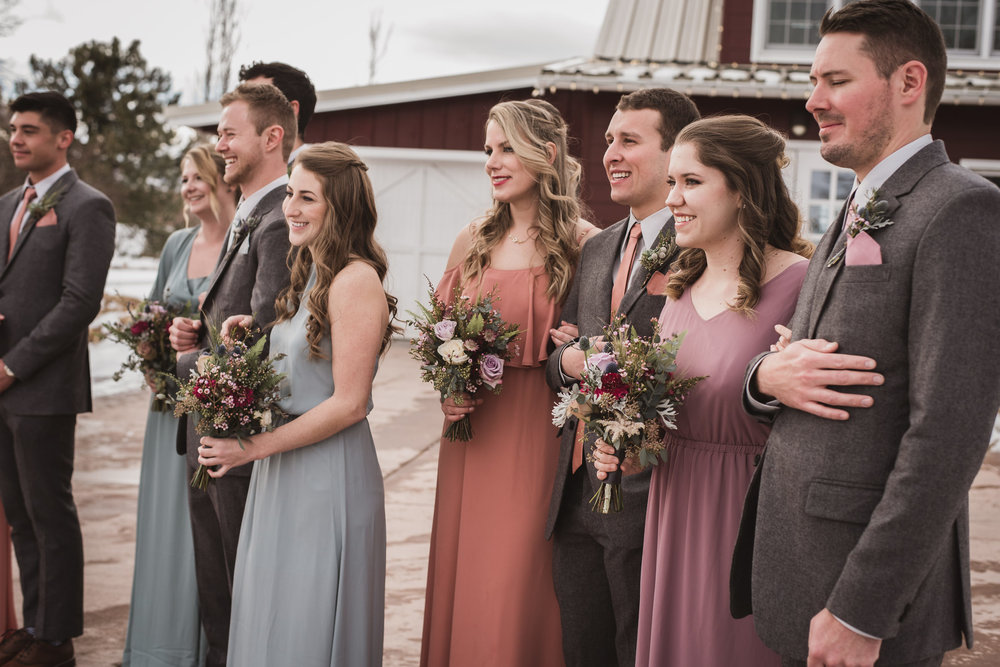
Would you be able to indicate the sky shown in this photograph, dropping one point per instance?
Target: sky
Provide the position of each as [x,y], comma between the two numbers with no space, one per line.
[326,38]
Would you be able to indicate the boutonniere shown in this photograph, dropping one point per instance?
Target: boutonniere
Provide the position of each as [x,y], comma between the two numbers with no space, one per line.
[656,258]
[37,209]
[244,227]
[866,219]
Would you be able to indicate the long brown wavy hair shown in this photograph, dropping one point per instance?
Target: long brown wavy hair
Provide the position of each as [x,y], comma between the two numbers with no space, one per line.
[529,126]
[750,156]
[347,234]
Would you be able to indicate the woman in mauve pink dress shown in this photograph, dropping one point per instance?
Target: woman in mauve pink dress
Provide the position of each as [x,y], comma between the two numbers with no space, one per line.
[738,276]
[490,597]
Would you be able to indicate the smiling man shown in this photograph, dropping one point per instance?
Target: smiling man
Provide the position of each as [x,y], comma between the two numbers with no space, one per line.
[885,400]
[256,131]
[597,557]
[55,257]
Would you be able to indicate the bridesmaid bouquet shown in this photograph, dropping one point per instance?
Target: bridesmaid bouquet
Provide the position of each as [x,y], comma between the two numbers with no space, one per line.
[146,332]
[462,348]
[234,392]
[630,391]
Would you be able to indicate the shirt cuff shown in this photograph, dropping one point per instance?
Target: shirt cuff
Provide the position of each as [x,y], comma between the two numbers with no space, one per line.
[7,369]
[760,407]
[566,379]
[855,630]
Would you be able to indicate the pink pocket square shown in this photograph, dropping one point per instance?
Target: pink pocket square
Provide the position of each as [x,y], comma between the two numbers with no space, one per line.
[48,220]
[862,250]
[657,284]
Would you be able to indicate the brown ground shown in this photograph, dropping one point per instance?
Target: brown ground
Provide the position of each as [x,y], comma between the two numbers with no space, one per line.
[405,422]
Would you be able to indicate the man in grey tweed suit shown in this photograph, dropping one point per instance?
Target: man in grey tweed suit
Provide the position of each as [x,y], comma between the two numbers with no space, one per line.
[57,242]
[597,557]
[256,131]
[890,388]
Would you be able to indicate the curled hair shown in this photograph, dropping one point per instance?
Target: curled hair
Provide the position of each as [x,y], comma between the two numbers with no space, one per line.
[210,167]
[750,156]
[895,32]
[529,126]
[268,106]
[347,235]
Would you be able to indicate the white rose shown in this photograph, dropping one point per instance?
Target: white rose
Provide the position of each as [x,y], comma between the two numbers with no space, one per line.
[453,352]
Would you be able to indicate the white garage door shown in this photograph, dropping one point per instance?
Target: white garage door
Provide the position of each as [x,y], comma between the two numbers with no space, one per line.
[424,197]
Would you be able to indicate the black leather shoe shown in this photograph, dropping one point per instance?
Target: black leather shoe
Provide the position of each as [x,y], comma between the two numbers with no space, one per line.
[12,643]
[40,653]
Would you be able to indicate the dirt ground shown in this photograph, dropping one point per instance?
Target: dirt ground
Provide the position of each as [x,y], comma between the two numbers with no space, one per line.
[405,422]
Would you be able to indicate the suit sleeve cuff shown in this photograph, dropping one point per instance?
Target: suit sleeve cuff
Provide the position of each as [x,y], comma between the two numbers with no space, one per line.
[854,629]
[756,403]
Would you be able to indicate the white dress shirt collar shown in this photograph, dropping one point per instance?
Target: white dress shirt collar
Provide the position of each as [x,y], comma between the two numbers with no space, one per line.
[42,187]
[881,172]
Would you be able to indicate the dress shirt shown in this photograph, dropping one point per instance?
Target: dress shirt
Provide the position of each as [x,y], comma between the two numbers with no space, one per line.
[248,204]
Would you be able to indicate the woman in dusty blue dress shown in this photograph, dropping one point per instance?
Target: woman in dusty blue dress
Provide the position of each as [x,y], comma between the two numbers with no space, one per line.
[309,587]
[164,629]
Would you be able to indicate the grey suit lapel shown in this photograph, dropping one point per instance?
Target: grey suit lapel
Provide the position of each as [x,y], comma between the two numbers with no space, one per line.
[264,206]
[605,278]
[59,188]
[7,207]
[638,284]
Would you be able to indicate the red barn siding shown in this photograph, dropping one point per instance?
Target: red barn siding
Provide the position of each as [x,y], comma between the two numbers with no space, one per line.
[737,23]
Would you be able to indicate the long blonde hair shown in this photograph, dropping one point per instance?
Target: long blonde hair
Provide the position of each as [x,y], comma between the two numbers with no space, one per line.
[210,167]
[529,126]
[347,234]
[750,156]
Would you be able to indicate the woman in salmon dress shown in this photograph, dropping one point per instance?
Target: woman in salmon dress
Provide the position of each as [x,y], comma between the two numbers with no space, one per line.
[738,276]
[490,598]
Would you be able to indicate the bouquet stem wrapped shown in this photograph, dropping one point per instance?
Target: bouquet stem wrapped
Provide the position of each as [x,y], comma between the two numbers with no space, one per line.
[630,391]
[462,347]
[234,392]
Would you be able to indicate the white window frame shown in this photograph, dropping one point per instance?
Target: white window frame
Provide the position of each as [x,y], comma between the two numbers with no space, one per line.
[760,52]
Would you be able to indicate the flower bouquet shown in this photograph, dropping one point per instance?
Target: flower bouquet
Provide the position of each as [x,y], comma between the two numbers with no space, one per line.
[234,392]
[630,391]
[462,347]
[146,332]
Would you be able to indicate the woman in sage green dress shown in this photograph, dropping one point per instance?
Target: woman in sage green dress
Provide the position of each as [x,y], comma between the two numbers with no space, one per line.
[164,627]
[309,587]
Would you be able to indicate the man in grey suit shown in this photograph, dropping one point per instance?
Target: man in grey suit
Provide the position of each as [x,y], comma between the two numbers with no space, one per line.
[55,257]
[256,131]
[597,557]
[860,552]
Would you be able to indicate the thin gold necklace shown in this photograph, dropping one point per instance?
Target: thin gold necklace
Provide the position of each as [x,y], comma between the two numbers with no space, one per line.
[518,241]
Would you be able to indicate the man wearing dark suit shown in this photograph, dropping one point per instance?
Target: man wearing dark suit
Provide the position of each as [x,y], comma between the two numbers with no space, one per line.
[860,551]
[255,137]
[296,86]
[55,253]
[597,557]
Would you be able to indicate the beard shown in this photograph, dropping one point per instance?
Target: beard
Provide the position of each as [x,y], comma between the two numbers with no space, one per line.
[867,149]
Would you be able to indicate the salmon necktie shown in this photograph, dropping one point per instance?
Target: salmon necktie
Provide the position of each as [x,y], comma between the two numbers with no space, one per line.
[617,294]
[625,268]
[15,227]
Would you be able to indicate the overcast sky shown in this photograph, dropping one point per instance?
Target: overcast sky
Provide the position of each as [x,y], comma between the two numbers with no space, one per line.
[326,38]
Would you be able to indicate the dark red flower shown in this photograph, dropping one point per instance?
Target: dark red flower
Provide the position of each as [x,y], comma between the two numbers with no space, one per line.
[139,327]
[612,383]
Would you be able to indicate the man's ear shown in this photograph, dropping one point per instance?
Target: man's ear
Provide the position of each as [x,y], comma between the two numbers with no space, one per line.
[64,139]
[912,81]
[274,136]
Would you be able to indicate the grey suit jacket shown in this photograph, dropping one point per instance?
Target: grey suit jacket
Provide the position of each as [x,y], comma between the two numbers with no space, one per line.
[589,307]
[50,291]
[250,275]
[869,517]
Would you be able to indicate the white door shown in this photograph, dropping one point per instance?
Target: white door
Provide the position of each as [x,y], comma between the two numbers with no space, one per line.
[424,197]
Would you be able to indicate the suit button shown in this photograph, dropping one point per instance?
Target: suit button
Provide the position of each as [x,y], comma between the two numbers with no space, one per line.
[756,460]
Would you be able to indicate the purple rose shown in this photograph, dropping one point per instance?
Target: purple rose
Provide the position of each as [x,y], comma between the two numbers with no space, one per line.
[491,370]
[445,329]
[601,361]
